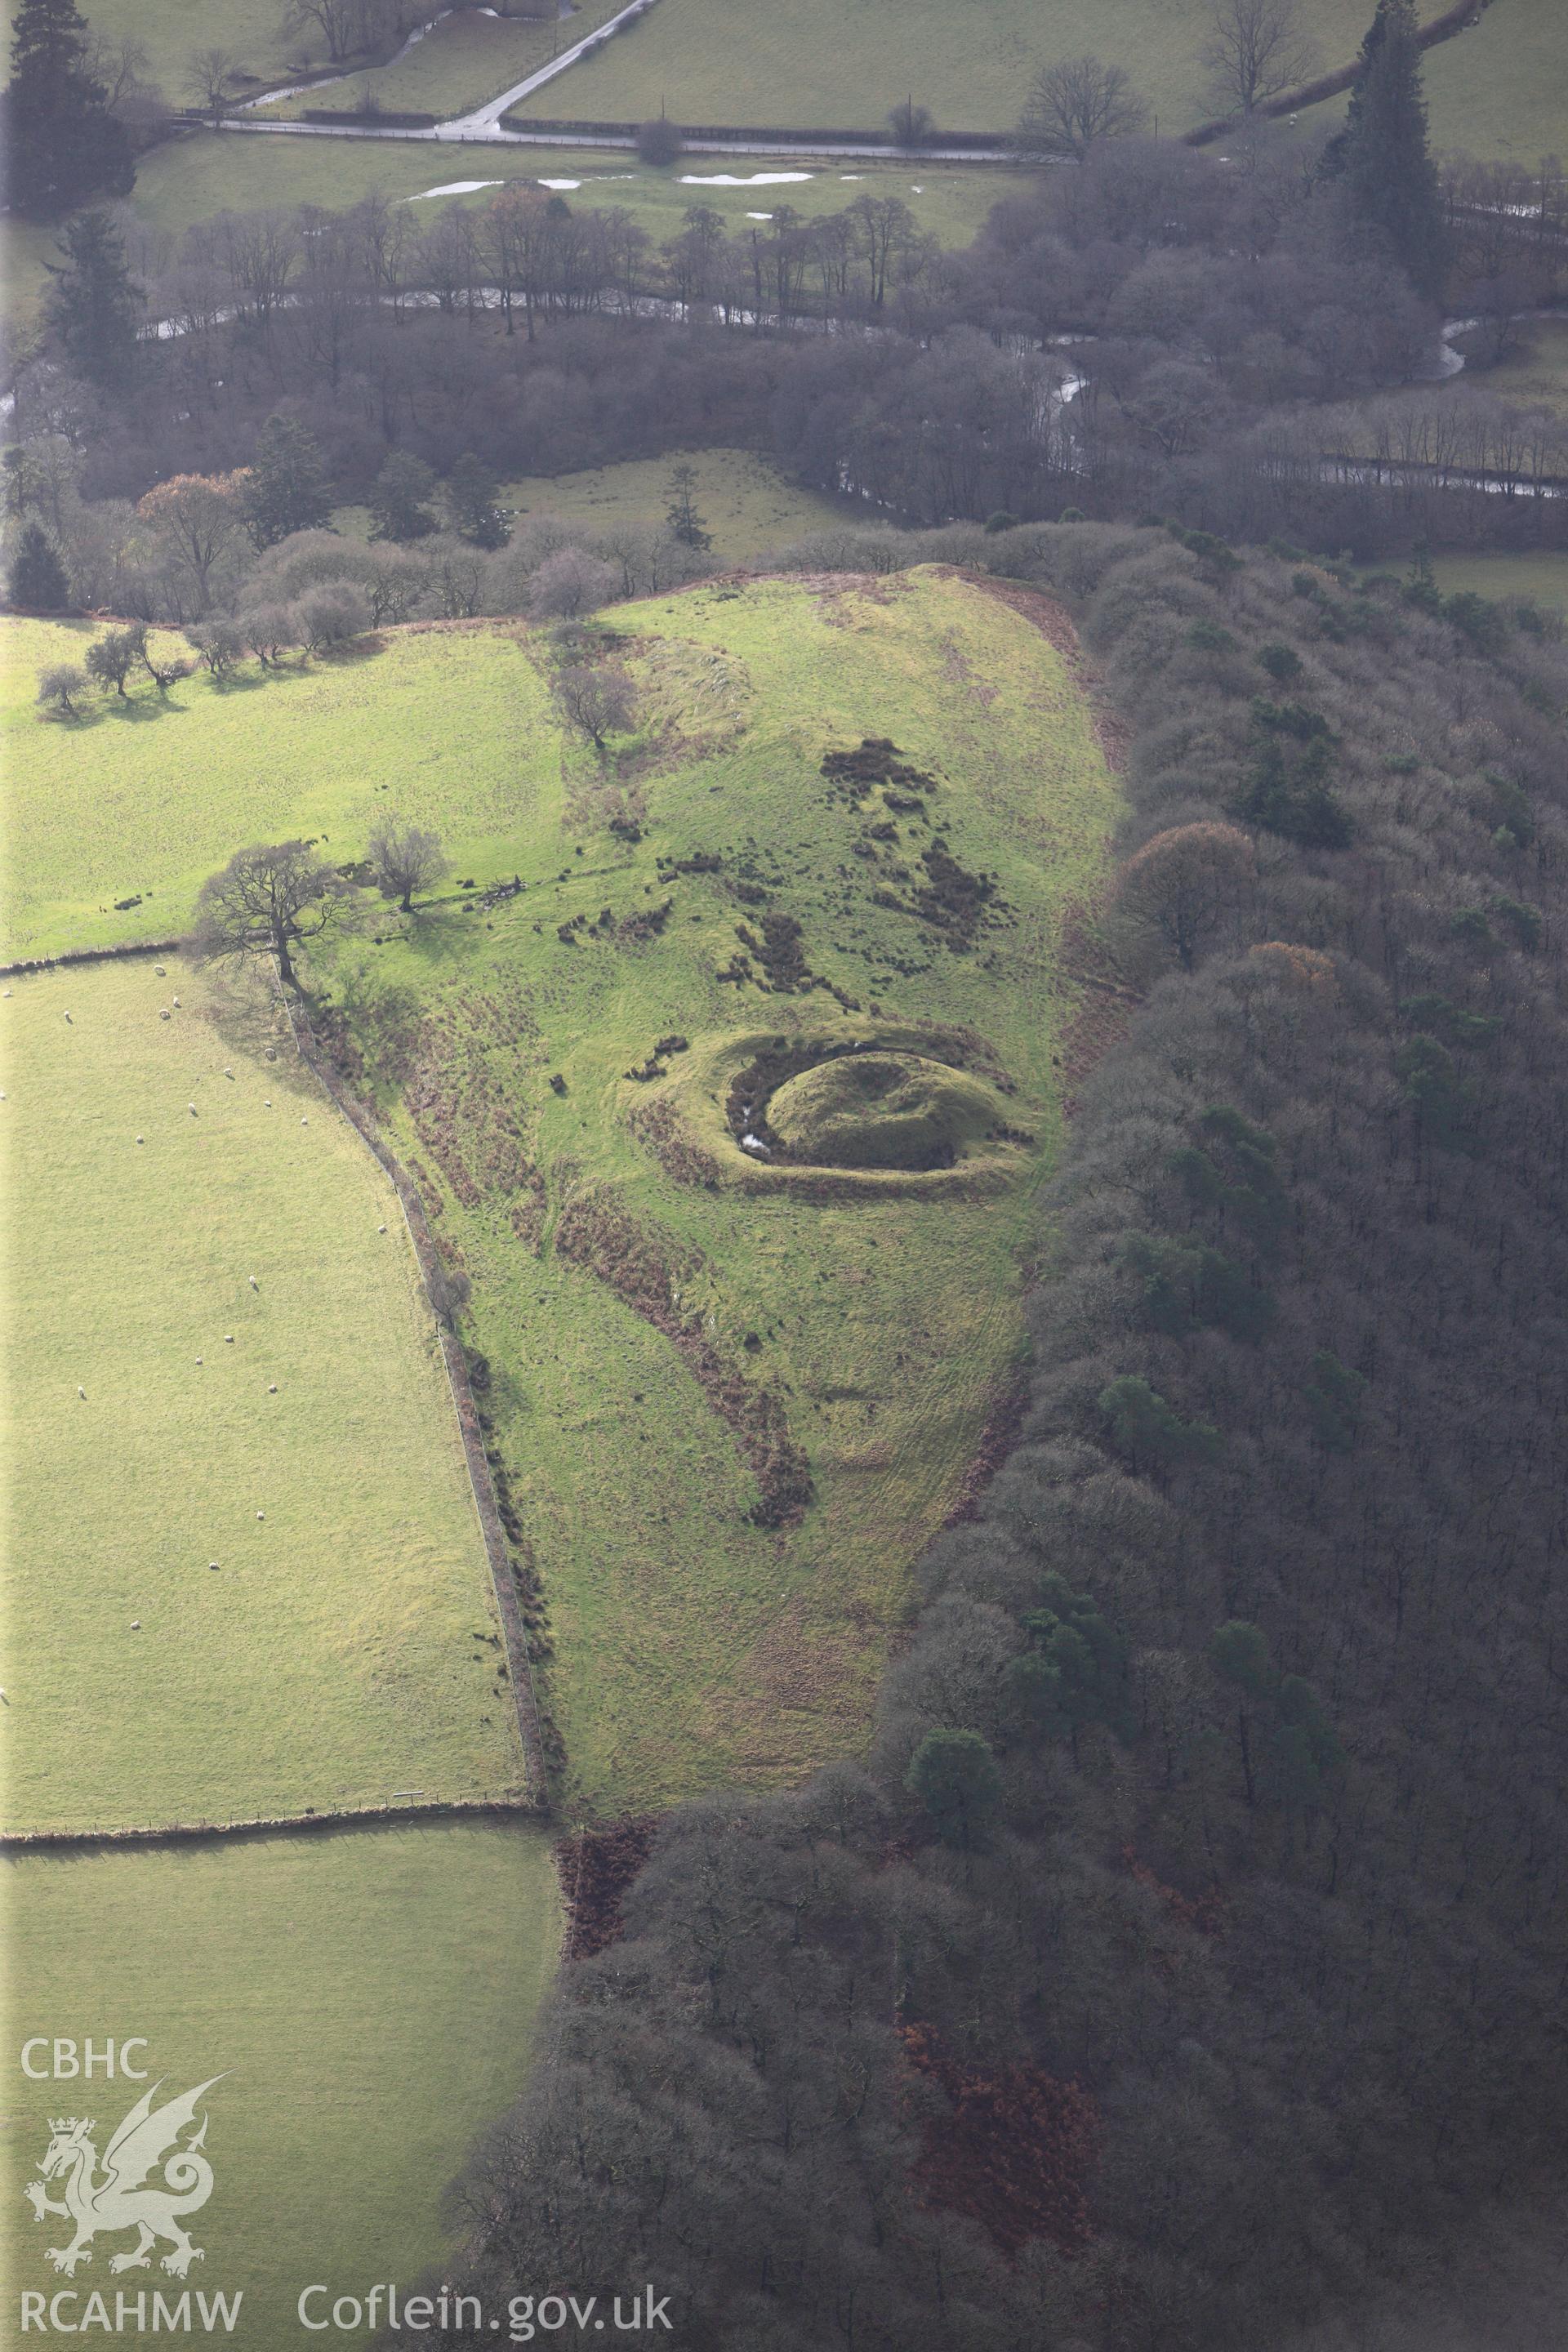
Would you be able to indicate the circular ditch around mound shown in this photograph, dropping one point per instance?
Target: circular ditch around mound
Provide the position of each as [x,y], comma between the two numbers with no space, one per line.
[877,1109]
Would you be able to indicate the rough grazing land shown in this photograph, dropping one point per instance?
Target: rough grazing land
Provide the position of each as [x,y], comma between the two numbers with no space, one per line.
[728,1417]
[368,1998]
[731,1417]
[346,1646]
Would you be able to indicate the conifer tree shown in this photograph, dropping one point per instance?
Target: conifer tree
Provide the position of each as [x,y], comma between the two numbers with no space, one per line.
[1381,155]
[36,579]
[93,304]
[62,144]
[286,488]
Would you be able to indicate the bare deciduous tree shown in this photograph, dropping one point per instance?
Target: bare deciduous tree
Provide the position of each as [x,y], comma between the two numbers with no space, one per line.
[1074,104]
[1255,49]
[404,858]
[596,700]
[267,902]
[210,78]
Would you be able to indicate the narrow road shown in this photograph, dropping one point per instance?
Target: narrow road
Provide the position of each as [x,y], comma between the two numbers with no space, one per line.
[452,133]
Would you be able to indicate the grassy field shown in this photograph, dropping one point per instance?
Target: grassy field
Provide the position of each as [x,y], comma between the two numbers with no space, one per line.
[170,30]
[1542,577]
[154,793]
[457,64]
[818,62]
[195,176]
[745,503]
[368,1998]
[692,1643]
[346,1647]
[1536,375]
[1500,89]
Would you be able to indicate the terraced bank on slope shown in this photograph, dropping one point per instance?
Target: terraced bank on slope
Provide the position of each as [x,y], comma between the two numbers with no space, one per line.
[735,1389]
[247,1578]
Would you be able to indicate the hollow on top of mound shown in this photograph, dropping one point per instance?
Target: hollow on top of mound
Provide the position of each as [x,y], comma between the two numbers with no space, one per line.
[882,1110]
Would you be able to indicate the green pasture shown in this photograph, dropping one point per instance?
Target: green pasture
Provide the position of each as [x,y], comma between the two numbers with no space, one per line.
[690,1645]
[146,797]
[172,30]
[1500,88]
[367,1998]
[458,66]
[1536,375]
[1543,577]
[846,63]
[346,1646]
[203,172]
[745,503]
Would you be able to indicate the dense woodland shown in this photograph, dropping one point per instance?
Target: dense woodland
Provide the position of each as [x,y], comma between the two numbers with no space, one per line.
[1194,1929]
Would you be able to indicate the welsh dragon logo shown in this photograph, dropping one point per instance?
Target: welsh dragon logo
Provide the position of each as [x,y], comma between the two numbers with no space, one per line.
[124,2199]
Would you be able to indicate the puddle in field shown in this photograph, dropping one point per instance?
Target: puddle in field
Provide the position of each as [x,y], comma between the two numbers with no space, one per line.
[749,180]
[759,215]
[460,188]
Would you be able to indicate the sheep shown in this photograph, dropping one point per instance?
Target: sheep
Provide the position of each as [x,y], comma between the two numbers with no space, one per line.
[251,1279]
[304,1122]
[68,1017]
[140,1138]
[261,1515]
[136,1624]
[212,1565]
[228,1338]
[381,1229]
[159,969]
[271,1388]
[164,1012]
[191,1109]
[173,1000]
[82,1394]
[228,1073]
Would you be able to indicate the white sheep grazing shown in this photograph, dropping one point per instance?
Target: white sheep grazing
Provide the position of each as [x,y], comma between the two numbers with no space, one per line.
[304,1122]
[251,1279]
[68,1017]
[261,1515]
[173,1000]
[191,1109]
[228,1073]
[228,1338]
[140,1138]
[82,1394]
[136,1624]
[271,1388]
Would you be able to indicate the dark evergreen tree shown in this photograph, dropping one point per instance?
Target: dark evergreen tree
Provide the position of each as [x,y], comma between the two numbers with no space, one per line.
[93,303]
[286,490]
[398,498]
[1381,156]
[687,525]
[35,580]
[469,496]
[63,145]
